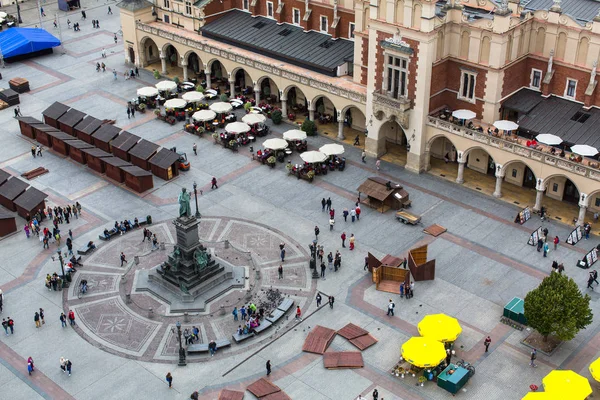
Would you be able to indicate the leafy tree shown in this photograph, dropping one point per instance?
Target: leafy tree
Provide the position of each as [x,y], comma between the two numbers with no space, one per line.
[557,307]
[176,80]
[309,127]
[200,89]
[156,74]
[224,97]
[276,117]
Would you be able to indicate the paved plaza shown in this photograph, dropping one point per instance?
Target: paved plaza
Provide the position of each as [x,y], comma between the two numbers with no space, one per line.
[121,350]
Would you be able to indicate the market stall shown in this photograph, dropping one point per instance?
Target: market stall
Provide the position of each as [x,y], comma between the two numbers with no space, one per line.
[113,168]
[104,136]
[4,176]
[26,124]
[141,153]
[54,112]
[10,190]
[68,120]
[566,384]
[76,147]
[423,352]
[453,378]
[387,274]
[165,164]
[86,128]
[41,134]
[8,223]
[60,142]
[123,143]
[94,158]
[383,194]
[137,179]
[30,202]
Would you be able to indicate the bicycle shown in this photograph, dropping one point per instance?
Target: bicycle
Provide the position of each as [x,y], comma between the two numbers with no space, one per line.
[466,365]
[81,292]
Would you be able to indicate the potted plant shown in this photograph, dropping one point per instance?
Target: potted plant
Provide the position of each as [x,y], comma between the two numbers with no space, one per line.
[276,117]
[216,137]
[271,161]
[401,372]
[309,127]
[422,380]
[232,143]
[142,108]
[291,116]
[224,97]
[247,106]
[310,175]
[200,130]
[289,167]
[200,88]
[156,74]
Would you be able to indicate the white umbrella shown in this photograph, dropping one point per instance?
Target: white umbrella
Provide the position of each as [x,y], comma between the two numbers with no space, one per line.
[237,127]
[221,107]
[188,85]
[549,139]
[275,144]
[193,97]
[584,150]
[175,103]
[463,114]
[166,85]
[3,14]
[236,102]
[204,115]
[332,149]
[506,125]
[256,110]
[313,156]
[294,134]
[147,91]
[211,91]
[252,119]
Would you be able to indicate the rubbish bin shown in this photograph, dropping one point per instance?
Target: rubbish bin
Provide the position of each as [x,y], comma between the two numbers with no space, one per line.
[149,219]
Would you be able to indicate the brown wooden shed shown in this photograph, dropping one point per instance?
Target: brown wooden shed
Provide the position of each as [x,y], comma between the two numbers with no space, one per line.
[4,176]
[60,142]
[10,190]
[26,125]
[382,194]
[137,178]
[86,128]
[8,223]
[75,150]
[104,137]
[94,158]
[141,153]
[41,134]
[54,112]
[113,168]
[30,202]
[67,122]
[165,164]
[122,144]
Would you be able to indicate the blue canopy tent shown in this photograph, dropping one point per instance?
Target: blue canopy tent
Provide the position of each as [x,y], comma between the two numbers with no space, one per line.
[15,42]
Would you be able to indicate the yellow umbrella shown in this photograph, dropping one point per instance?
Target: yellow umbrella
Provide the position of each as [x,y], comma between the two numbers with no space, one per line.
[440,327]
[595,369]
[423,352]
[567,384]
[541,396]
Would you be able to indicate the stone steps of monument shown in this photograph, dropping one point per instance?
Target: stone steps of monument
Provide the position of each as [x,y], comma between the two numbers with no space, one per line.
[192,280]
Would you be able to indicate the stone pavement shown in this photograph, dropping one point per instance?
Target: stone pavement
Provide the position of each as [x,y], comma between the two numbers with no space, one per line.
[120,351]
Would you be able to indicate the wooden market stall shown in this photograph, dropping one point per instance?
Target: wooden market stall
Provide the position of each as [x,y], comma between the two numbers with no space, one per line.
[388,273]
[30,202]
[137,178]
[383,194]
[60,142]
[141,153]
[8,223]
[113,168]
[3,176]
[94,158]
[26,125]
[86,128]
[76,150]
[165,164]
[67,122]
[123,143]
[104,137]
[54,112]
[10,190]
[41,134]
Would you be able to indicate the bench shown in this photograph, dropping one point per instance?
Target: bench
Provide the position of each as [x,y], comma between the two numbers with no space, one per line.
[142,222]
[275,315]
[240,338]
[111,233]
[203,347]
[263,325]
[84,250]
[285,305]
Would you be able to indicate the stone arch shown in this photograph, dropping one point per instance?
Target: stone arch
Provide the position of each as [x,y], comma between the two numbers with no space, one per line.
[435,137]
[482,161]
[582,50]
[484,50]
[540,39]
[465,38]
[354,117]
[454,154]
[561,46]
[210,66]
[171,53]
[524,178]
[268,87]
[149,51]
[296,98]
[242,79]
[194,62]
[563,188]
[322,104]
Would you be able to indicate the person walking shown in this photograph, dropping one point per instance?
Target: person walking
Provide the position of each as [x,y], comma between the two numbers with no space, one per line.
[317,232]
[235,313]
[357,140]
[323,201]
[195,149]
[298,314]
[169,379]
[390,308]
[556,240]
[109,11]
[214,183]
[39,150]
[63,320]
[243,312]
[5,325]
[546,249]
[376,394]
[11,325]
[532,358]
[72,317]
[331,301]
[115,73]
[366,266]
[328,203]
[343,237]
[83,15]
[331,223]
[323,268]
[590,281]
[352,239]
[42,12]
[377,164]
[268,366]
[103,52]
[30,365]
[353,214]
[280,271]
[123,259]
[42,316]
[363,156]
[128,113]
[487,342]
[595,276]
[318,299]
[115,38]
[345,214]
[68,366]
[282,254]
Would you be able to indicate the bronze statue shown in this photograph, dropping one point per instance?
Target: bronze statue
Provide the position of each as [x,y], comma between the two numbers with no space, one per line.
[201,260]
[184,203]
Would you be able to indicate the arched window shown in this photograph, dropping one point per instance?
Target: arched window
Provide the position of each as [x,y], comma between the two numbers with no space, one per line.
[520,49]
[561,45]
[582,51]
[540,39]
[416,17]
[465,37]
[484,51]
[400,12]
[439,50]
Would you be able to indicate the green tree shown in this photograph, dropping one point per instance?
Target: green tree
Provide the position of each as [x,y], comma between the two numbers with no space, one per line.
[200,89]
[224,97]
[557,307]
[309,127]
[276,117]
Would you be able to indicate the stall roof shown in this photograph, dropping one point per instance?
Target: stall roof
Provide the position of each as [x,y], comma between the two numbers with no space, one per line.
[136,171]
[46,128]
[30,120]
[72,117]
[106,133]
[60,135]
[125,141]
[143,149]
[80,144]
[96,152]
[31,198]
[3,176]
[377,188]
[89,125]
[18,41]
[164,158]
[12,188]
[523,101]
[6,215]
[56,110]
[117,162]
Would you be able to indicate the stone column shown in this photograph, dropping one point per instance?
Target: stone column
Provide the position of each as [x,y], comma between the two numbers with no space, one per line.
[341,129]
[460,178]
[582,211]
[163,64]
[257,94]
[232,88]
[311,111]
[539,197]
[498,190]
[284,110]
[207,74]
[185,71]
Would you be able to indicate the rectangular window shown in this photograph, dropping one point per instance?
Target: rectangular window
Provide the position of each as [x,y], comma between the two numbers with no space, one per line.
[597,201]
[245,5]
[397,75]
[467,86]
[188,8]
[166,18]
[571,88]
[296,16]
[555,187]
[167,4]
[514,173]
[270,9]
[351,30]
[536,78]
[324,23]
